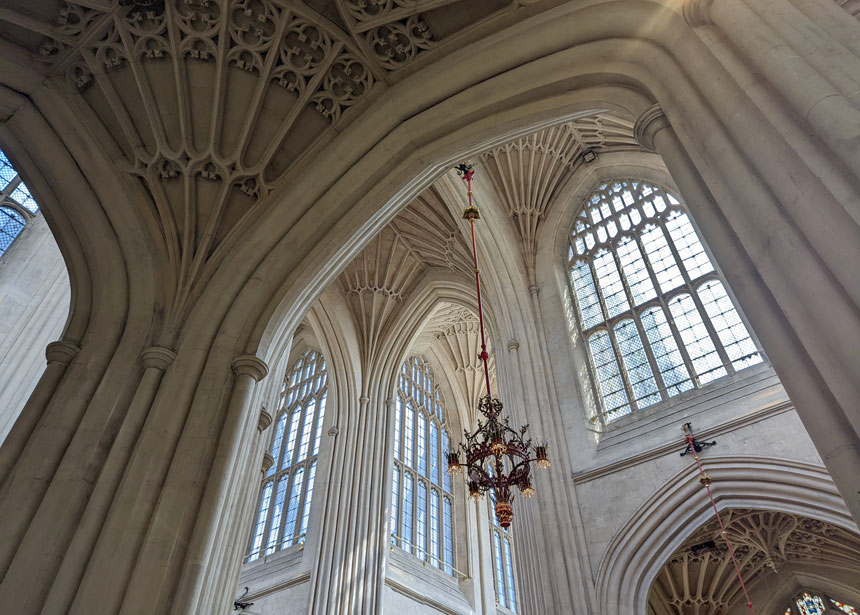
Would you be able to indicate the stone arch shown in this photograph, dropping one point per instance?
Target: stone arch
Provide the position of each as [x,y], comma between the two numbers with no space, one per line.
[638,551]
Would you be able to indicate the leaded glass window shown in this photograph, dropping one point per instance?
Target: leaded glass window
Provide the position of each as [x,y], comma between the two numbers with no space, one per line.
[813,603]
[503,561]
[421,497]
[16,204]
[288,486]
[655,315]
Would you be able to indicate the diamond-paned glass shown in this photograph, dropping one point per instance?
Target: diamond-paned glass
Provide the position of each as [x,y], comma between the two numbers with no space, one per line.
[283,516]
[421,521]
[11,225]
[656,316]
[16,203]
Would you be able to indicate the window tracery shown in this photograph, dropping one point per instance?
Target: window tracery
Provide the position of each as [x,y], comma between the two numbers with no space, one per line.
[287,490]
[655,315]
[17,205]
[421,494]
[503,561]
[810,603]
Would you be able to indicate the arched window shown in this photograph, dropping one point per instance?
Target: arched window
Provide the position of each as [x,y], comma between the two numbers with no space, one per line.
[811,603]
[654,313]
[422,505]
[503,560]
[285,498]
[16,204]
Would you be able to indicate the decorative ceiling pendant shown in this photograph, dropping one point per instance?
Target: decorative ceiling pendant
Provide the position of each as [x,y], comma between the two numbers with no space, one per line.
[497,457]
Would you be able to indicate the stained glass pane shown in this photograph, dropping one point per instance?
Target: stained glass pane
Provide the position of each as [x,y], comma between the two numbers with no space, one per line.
[609,378]
[406,527]
[11,225]
[586,295]
[291,439]
[306,504]
[434,528]
[22,196]
[687,243]
[277,511]
[434,453]
[500,572]
[7,173]
[421,521]
[633,266]
[320,419]
[408,435]
[422,445]
[676,378]
[509,577]
[398,412]
[808,604]
[845,608]
[293,507]
[609,281]
[260,527]
[395,501]
[449,535]
[700,347]
[730,329]
[446,478]
[310,411]
[276,444]
[639,374]
[662,261]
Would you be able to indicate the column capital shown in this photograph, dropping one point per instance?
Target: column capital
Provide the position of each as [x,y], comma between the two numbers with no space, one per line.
[159,357]
[264,421]
[652,121]
[697,12]
[61,352]
[249,365]
[513,345]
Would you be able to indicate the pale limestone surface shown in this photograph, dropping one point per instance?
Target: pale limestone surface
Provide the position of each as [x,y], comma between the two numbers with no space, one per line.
[215,173]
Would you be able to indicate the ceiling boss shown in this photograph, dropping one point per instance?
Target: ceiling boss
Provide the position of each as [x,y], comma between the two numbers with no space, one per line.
[497,457]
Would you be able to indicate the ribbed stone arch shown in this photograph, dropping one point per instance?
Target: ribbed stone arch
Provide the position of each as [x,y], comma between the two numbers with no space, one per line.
[675,511]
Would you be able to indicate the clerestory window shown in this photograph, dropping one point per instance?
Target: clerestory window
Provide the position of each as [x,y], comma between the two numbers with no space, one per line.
[654,312]
[288,486]
[422,503]
[17,205]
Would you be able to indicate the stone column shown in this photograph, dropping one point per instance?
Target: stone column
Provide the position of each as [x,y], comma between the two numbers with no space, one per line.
[155,359]
[59,355]
[785,319]
[833,117]
[240,428]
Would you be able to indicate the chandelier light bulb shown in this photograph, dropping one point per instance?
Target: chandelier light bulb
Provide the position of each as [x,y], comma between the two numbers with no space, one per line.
[453,464]
[527,490]
[474,491]
[542,460]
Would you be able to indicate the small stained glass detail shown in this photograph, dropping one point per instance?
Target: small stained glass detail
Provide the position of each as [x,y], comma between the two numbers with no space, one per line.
[809,604]
[657,318]
[845,608]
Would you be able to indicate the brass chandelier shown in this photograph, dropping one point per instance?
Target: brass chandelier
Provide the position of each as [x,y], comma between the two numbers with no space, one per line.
[498,457]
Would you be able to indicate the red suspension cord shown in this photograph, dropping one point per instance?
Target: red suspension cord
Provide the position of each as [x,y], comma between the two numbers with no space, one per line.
[471,213]
[706,481]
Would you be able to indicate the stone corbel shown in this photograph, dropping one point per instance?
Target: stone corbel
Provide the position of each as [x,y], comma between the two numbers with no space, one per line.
[268,460]
[249,365]
[61,352]
[264,421]
[652,121]
[159,357]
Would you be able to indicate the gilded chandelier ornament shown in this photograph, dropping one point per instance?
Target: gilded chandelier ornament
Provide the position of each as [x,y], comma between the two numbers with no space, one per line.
[497,456]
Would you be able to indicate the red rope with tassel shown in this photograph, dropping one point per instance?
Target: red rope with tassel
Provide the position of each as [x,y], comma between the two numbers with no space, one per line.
[706,481]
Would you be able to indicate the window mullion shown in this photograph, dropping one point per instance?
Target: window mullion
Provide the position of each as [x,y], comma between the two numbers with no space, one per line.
[724,357]
[590,359]
[303,493]
[286,506]
[599,289]
[622,369]
[646,345]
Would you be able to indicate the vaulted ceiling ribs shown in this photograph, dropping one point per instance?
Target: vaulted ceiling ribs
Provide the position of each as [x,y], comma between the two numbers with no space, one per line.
[699,579]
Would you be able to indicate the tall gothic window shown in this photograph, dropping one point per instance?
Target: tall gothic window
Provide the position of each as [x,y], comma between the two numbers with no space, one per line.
[421,500]
[17,205]
[285,497]
[653,310]
[503,561]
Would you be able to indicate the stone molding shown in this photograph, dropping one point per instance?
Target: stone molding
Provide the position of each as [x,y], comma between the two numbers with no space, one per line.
[249,365]
[513,345]
[264,421]
[268,461]
[159,357]
[652,121]
[61,352]
[697,12]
